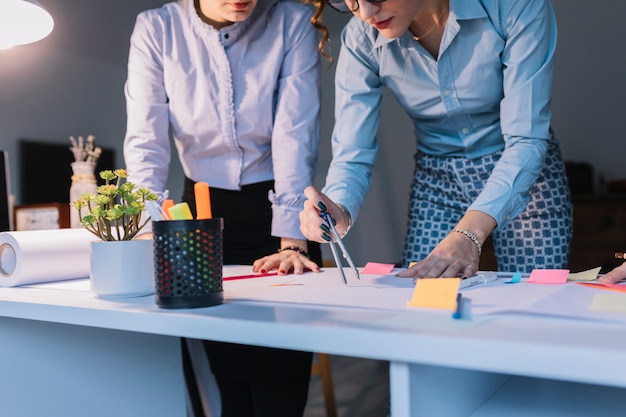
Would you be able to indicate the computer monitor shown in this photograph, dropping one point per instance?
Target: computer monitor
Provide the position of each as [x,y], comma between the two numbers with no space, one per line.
[46,172]
[6,215]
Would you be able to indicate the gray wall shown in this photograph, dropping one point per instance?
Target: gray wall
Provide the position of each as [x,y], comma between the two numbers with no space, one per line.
[70,84]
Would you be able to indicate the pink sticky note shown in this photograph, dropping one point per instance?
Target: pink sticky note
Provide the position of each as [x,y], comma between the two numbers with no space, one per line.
[548,276]
[376,268]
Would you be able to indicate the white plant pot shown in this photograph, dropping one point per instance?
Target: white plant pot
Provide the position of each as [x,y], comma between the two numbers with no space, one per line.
[122,269]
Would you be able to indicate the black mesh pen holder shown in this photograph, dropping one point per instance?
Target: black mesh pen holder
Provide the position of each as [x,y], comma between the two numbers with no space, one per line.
[188,261]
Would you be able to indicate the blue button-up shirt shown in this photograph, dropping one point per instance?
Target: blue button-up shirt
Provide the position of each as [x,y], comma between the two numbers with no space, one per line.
[242,102]
[489,89]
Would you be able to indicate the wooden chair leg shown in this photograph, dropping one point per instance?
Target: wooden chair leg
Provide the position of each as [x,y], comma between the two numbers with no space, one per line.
[321,367]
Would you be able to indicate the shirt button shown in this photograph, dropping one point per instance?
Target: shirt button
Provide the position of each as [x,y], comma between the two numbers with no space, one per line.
[446,92]
[465,130]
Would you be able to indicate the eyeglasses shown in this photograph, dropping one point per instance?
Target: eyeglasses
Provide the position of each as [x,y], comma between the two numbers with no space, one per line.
[348,6]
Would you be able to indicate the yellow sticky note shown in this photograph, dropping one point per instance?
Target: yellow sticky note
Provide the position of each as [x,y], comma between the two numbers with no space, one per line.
[588,275]
[435,293]
[608,302]
[180,211]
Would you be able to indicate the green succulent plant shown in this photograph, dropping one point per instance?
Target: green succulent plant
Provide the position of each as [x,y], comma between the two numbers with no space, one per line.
[115,212]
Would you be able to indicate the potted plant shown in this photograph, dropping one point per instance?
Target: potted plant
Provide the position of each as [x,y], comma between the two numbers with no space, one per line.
[121,265]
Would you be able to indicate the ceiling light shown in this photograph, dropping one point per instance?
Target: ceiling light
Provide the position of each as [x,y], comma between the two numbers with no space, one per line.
[23,21]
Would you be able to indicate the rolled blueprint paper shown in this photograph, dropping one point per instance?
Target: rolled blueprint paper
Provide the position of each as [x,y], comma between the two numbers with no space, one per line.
[38,256]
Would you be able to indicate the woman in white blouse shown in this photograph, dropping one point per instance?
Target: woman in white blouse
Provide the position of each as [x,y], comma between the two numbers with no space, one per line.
[237,84]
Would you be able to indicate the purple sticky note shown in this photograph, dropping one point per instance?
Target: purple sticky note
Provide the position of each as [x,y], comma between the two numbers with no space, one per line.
[548,276]
[376,268]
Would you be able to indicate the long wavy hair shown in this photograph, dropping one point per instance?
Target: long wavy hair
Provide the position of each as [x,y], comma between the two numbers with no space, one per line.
[316,21]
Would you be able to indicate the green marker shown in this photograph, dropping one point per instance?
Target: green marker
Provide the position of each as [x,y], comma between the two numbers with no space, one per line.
[180,211]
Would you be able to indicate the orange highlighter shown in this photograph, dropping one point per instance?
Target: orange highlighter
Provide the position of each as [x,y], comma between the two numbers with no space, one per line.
[167,203]
[203,201]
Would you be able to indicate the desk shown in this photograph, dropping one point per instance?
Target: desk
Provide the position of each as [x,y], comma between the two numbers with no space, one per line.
[527,347]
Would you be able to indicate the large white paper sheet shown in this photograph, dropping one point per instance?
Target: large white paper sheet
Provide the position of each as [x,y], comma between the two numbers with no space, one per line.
[37,256]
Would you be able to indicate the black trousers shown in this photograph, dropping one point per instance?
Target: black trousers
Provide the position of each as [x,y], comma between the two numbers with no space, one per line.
[253,381]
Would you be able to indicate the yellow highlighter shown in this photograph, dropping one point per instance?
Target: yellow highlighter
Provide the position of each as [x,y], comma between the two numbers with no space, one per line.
[180,211]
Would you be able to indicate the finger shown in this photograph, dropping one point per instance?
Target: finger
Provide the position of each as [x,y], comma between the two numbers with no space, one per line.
[311,193]
[615,275]
[256,265]
[408,273]
[309,264]
[320,201]
[468,271]
[424,268]
[611,277]
[313,227]
[419,269]
[298,267]
[450,272]
[265,266]
[434,269]
[310,222]
[458,269]
[259,263]
[286,266]
[317,199]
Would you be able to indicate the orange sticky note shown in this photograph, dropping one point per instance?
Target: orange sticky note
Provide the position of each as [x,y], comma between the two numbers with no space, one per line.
[203,201]
[601,286]
[167,203]
[435,293]
[548,276]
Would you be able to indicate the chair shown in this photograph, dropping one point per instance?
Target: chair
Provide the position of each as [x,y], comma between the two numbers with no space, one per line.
[321,367]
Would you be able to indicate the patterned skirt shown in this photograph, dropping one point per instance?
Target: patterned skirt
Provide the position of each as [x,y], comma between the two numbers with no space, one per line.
[444,187]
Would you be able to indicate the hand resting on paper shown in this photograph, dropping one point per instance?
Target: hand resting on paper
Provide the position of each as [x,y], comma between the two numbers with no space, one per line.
[457,254]
[617,274]
[292,257]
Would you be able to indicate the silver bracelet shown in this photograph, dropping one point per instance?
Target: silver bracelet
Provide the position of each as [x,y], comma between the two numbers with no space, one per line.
[472,237]
[345,211]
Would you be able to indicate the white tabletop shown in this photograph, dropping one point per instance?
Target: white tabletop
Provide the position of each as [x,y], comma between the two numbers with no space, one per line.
[522,329]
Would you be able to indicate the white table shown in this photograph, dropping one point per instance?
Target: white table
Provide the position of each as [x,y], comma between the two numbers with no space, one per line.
[528,348]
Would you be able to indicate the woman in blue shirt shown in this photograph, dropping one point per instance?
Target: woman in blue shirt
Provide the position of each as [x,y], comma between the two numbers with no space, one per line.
[475,77]
[238,86]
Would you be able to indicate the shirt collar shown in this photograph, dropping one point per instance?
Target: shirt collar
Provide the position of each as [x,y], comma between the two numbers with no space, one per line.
[230,33]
